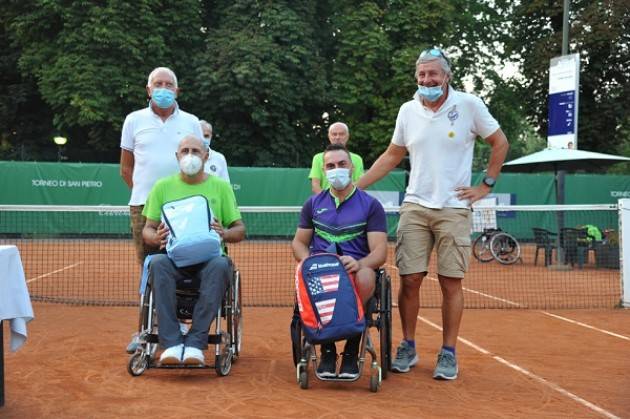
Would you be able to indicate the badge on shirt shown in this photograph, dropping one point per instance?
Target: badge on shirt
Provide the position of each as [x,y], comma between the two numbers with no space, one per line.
[452,116]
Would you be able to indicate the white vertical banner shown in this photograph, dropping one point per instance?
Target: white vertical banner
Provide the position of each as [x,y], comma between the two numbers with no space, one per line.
[624,250]
[564,88]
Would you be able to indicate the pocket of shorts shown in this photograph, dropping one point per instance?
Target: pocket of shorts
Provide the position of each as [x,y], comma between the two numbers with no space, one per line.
[463,245]
[404,254]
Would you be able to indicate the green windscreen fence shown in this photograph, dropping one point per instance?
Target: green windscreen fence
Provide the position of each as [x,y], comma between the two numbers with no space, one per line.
[100,184]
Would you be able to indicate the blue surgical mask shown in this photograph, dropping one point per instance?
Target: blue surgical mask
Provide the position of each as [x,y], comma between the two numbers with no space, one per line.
[163,98]
[338,178]
[430,93]
[206,142]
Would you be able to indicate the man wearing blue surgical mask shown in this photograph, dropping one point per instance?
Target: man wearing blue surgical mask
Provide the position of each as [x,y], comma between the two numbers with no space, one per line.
[148,143]
[355,223]
[438,128]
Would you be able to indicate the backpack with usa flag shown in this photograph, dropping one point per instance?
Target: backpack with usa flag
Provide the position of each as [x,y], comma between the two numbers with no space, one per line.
[329,305]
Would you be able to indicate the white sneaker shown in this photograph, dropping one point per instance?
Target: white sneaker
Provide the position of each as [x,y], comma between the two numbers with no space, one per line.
[183,328]
[172,355]
[193,356]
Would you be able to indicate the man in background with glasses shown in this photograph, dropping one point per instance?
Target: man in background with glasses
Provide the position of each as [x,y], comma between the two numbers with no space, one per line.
[438,129]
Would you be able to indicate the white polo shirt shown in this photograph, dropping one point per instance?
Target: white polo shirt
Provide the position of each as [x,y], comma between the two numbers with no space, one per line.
[217,165]
[153,143]
[440,146]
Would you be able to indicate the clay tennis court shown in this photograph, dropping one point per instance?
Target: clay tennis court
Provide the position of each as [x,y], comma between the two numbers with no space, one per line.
[539,362]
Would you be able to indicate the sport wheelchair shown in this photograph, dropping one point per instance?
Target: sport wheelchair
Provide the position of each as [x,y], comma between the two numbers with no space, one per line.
[227,340]
[378,315]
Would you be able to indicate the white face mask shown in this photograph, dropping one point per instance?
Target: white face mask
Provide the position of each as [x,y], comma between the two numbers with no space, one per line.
[338,178]
[190,164]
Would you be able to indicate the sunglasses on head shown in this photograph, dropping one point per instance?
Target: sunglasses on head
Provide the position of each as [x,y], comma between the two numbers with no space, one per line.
[435,52]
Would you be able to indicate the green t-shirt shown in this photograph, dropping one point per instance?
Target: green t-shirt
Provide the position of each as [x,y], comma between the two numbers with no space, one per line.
[218,192]
[317,169]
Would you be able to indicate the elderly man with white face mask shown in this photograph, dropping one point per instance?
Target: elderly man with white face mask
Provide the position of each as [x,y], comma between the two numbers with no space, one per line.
[213,275]
[354,222]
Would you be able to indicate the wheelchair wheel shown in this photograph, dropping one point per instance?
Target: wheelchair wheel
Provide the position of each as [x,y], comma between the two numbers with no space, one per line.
[303,376]
[481,248]
[505,249]
[137,364]
[237,314]
[385,325]
[296,336]
[223,361]
[374,383]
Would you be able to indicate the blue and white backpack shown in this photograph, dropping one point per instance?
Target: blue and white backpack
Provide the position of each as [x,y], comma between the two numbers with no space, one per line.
[191,239]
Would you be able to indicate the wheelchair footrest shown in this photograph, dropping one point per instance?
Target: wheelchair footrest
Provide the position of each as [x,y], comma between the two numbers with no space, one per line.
[212,339]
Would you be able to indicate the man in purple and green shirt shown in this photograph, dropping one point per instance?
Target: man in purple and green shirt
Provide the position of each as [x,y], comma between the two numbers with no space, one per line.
[353,221]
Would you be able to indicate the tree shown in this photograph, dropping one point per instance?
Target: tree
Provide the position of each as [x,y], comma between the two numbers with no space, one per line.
[24,115]
[270,76]
[261,81]
[599,34]
[91,59]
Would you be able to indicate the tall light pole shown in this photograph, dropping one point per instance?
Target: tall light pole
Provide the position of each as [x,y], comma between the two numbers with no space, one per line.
[560,177]
[565,28]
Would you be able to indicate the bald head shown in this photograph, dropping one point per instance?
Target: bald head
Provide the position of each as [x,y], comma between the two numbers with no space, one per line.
[189,141]
[338,133]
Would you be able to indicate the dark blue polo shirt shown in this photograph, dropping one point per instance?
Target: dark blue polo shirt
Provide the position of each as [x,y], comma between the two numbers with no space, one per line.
[346,223]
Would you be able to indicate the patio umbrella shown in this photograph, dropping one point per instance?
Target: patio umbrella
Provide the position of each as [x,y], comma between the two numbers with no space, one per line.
[554,159]
[559,161]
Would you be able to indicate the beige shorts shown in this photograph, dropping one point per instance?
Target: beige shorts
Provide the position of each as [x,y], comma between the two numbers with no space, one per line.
[420,229]
[137,224]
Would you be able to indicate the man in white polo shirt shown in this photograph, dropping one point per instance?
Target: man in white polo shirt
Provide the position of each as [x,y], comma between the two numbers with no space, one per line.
[216,164]
[438,129]
[148,143]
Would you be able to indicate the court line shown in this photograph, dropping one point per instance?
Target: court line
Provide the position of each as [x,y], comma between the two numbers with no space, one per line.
[588,326]
[529,374]
[54,272]
[546,313]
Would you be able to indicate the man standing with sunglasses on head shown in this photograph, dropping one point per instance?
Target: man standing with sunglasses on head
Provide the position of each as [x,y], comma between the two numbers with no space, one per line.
[438,129]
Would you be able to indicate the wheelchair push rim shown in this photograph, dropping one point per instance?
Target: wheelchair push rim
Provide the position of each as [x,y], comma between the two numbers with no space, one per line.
[385,326]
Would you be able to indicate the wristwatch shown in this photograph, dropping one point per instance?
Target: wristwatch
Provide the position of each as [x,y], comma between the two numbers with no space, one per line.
[489,181]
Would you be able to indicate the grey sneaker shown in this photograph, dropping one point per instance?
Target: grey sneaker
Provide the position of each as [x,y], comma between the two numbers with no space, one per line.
[406,358]
[446,368]
[134,344]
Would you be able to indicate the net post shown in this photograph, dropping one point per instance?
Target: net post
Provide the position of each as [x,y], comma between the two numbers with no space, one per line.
[624,247]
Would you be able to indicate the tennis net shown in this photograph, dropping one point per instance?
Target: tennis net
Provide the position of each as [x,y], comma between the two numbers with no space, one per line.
[84,255]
